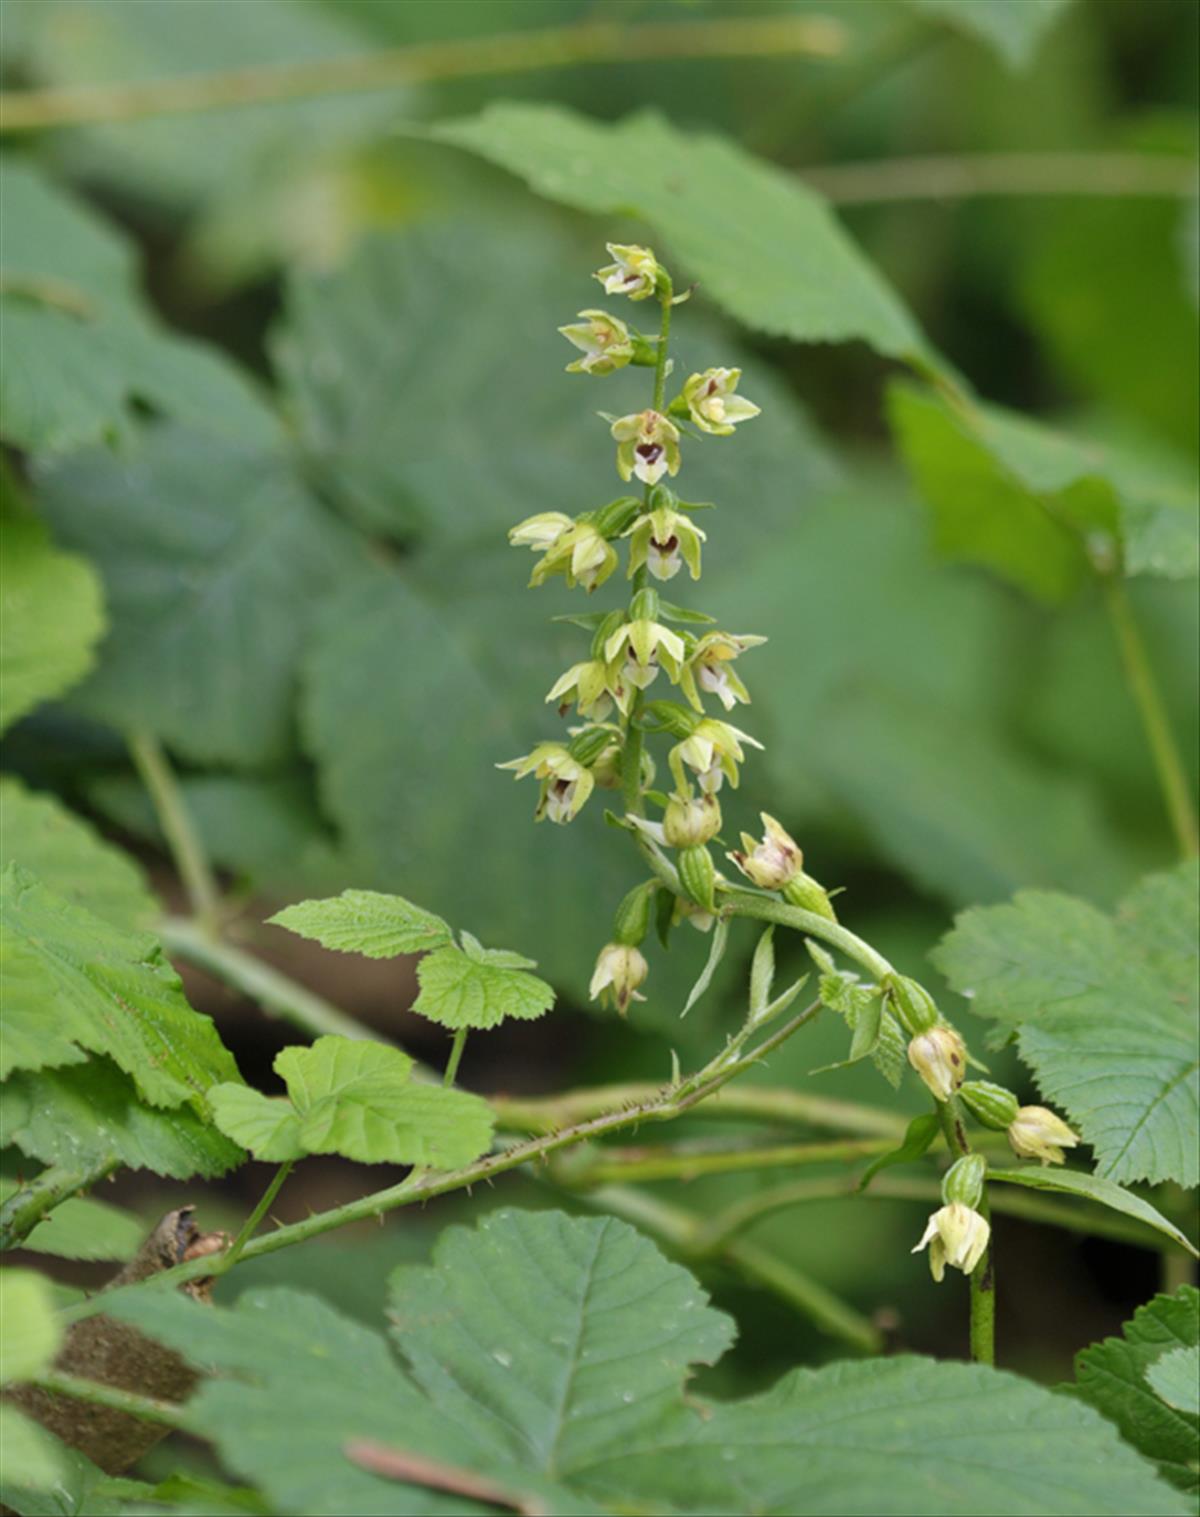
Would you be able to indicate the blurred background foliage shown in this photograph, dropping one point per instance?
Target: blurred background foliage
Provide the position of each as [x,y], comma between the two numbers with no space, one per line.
[317,377]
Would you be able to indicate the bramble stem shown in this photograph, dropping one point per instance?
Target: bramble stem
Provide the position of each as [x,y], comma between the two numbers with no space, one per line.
[250,1227]
[148,1408]
[1143,687]
[187,850]
[34,1202]
[983,1276]
[456,1053]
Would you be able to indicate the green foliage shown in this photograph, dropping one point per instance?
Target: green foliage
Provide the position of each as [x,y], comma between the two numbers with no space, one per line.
[1014,30]
[68,856]
[918,1135]
[82,1228]
[764,246]
[356,1099]
[29,1338]
[1115,1378]
[367,922]
[876,1033]
[1104,1013]
[1175,1379]
[512,1371]
[51,615]
[1092,1188]
[479,987]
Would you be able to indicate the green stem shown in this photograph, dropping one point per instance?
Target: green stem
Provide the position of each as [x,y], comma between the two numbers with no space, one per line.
[30,1205]
[1139,676]
[456,1053]
[182,838]
[742,903]
[626,1166]
[250,1227]
[146,1407]
[983,1276]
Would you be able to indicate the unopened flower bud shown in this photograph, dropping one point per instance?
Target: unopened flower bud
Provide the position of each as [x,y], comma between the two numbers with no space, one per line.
[914,1006]
[620,969]
[939,1056]
[647,445]
[956,1235]
[963,1181]
[635,271]
[632,919]
[698,875]
[709,400]
[803,891]
[989,1104]
[1037,1133]
[691,819]
[606,771]
[604,341]
[771,863]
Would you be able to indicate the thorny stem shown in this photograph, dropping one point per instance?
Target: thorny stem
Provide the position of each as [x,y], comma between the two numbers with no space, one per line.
[983,1276]
[148,1408]
[182,838]
[250,1227]
[33,1203]
[456,1053]
[1139,676]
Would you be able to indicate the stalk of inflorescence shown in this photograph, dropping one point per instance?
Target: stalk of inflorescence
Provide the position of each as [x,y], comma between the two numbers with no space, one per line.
[630,649]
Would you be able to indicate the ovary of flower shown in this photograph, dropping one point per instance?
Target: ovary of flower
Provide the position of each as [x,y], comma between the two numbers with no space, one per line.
[1037,1133]
[771,863]
[604,341]
[634,271]
[644,645]
[620,969]
[541,531]
[956,1235]
[664,540]
[582,554]
[592,687]
[714,751]
[566,783]
[647,445]
[712,403]
[709,668]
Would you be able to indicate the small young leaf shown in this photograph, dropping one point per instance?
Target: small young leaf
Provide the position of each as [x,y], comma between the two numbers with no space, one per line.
[267,1126]
[762,972]
[919,1134]
[367,922]
[1176,1379]
[458,991]
[1094,1188]
[781,1002]
[502,958]
[716,952]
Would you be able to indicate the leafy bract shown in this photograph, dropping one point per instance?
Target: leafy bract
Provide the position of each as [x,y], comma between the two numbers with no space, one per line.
[548,1354]
[1104,1011]
[876,1032]
[81,1228]
[1114,1377]
[350,1097]
[464,988]
[1175,1379]
[90,1115]
[1013,27]
[763,246]
[215,561]
[51,616]
[1093,1188]
[1023,499]
[367,922]
[69,856]
[80,347]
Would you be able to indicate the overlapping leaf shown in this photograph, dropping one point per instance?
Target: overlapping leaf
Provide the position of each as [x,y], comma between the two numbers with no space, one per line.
[464,987]
[1175,1379]
[1104,1009]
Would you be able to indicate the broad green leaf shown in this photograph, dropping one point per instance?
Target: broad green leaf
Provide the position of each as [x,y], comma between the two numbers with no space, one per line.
[1112,1377]
[458,991]
[81,348]
[367,922]
[73,982]
[31,1456]
[51,617]
[1072,1182]
[215,562]
[1175,1379]
[760,243]
[1022,499]
[267,1125]
[29,1329]
[919,1134]
[1104,1009]
[1014,28]
[82,1228]
[78,1489]
[90,1114]
[70,857]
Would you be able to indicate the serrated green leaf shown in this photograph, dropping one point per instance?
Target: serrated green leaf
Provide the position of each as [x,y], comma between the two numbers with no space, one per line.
[31,1457]
[215,562]
[859,1004]
[1093,1188]
[1175,1379]
[51,616]
[70,858]
[919,1134]
[502,958]
[1014,28]
[367,922]
[764,246]
[1111,1376]
[90,1115]
[457,991]
[266,1125]
[29,1328]
[73,982]
[82,1228]
[1104,1009]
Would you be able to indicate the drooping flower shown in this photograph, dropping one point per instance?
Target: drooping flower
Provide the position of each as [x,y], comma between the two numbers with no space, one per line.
[1037,1133]
[620,969]
[939,1056]
[647,445]
[593,688]
[773,861]
[566,783]
[709,668]
[664,540]
[957,1236]
[712,403]
[603,340]
[541,531]
[635,271]
[583,554]
[644,645]
[713,750]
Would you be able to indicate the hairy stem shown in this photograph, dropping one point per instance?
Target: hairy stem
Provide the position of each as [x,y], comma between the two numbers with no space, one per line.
[148,1408]
[187,850]
[251,1225]
[1143,687]
[34,1202]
